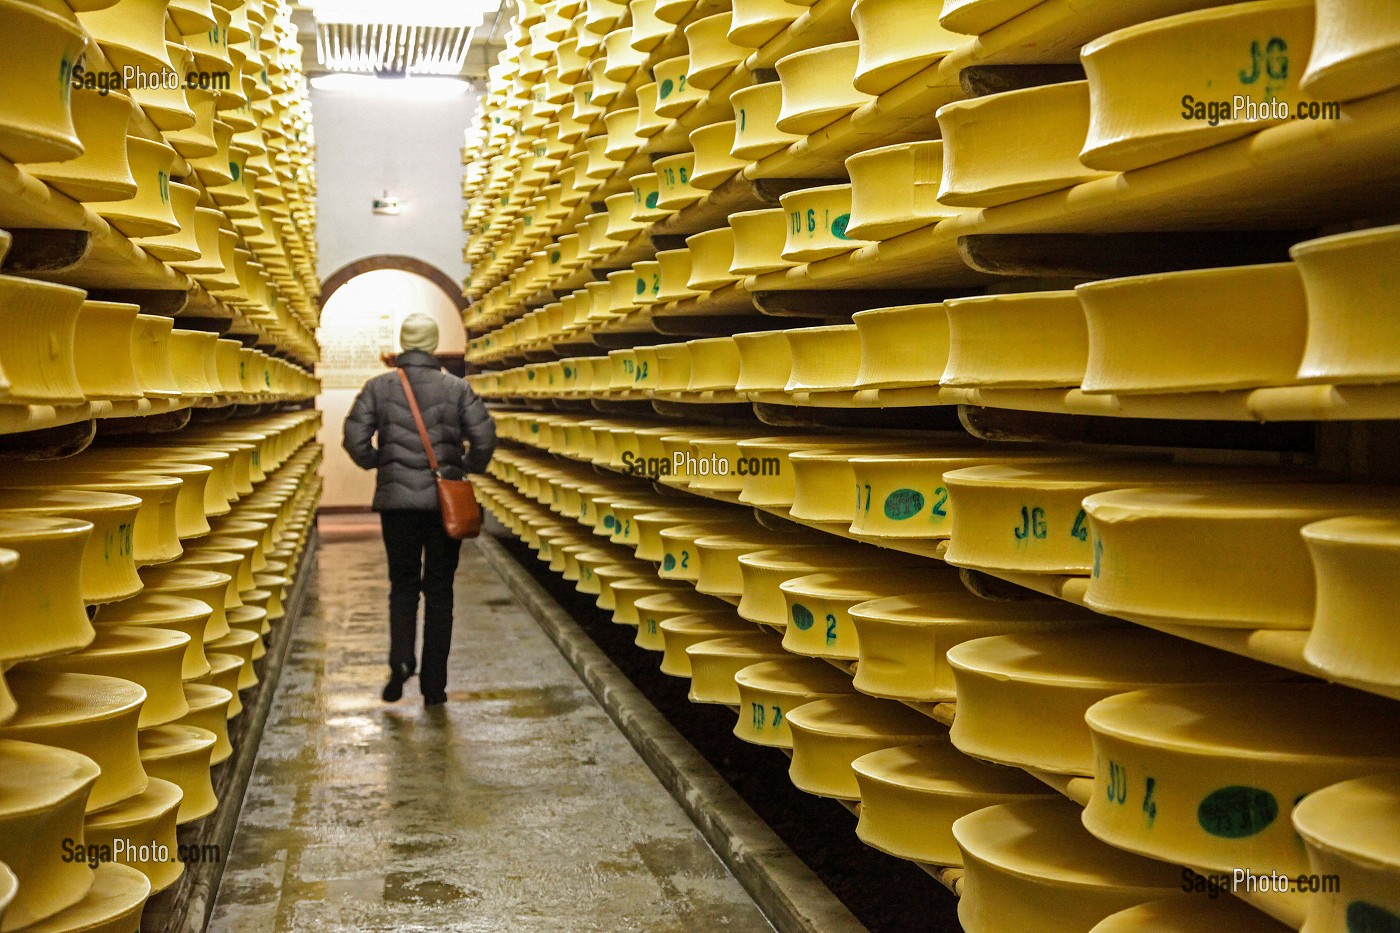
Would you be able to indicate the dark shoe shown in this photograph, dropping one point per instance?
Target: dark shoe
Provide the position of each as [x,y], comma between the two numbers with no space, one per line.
[393,690]
[434,699]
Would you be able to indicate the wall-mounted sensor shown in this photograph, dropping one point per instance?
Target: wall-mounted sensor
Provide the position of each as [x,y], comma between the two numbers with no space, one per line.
[385,204]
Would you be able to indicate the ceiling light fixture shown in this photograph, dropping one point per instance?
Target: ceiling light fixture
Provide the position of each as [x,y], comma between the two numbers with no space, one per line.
[406,37]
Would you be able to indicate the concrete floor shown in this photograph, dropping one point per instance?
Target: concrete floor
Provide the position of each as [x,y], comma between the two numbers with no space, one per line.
[517,808]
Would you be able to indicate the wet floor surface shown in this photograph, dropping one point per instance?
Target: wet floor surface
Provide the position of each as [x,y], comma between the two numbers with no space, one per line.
[517,807]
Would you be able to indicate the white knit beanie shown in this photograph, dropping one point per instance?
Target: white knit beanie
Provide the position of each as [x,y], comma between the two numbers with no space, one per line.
[419,332]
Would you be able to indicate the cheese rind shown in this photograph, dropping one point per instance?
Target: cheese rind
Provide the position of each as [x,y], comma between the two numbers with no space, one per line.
[1356,566]
[904,640]
[1209,775]
[770,690]
[1022,698]
[1146,332]
[1030,865]
[1187,534]
[1349,830]
[1145,80]
[1014,145]
[910,796]
[828,735]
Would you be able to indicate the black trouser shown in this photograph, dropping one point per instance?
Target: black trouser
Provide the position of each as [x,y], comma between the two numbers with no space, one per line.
[422,558]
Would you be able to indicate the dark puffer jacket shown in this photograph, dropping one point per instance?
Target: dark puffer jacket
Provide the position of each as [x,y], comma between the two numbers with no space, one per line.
[452,412]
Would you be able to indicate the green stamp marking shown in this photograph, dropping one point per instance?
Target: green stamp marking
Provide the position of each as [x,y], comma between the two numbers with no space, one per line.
[903,504]
[802,617]
[1237,812]
[1364,917]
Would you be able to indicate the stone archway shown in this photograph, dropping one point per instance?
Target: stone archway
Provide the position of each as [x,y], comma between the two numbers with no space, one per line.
[389,261]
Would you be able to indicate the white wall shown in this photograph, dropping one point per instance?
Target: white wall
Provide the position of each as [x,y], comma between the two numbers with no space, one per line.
[359,323]
[367,144]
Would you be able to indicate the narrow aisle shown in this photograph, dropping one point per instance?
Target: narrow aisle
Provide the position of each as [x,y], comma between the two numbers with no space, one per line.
[517,808]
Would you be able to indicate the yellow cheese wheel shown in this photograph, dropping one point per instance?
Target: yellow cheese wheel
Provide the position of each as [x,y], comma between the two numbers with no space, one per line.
[101,347]
[1356,50]
[1031,517]
[902,346]
[765,361]
[648,278]
[757,21]
[647,30]
[1153,84]
[675,273]
[817,220]
[92,715]
[622,138]
[44,791]
[1022,698]
[44,606]
[101,172]
[164,612]
[151,658]
[763,572]
[208,710]
[713,162]
[910,796]
[1346,277]
[673,173]
[36,361]
[1356,566]
[680,559]
[669,601]
[828,735]
[898,39]
[682,631]
[718,555]
[713,55]
[904,495]
[224,671]
[108,571]
[818,605]
[975,17]
[181,755]
[1187,534]
[713,664]
[609,574]
[244,644]
[1014,145]
[714,364]
[770,690]
[1188,913]
[1348,829]
[711,254]
[622,59]
[824,479]
[904,640]
[37,127]
[1146,332]
[1030,865]
[142,824]
[756,111]
[894,189]
[819,87]
[768,474]
[759,237]
[824,358]
[674,93]
[1226,764]
[1025,339]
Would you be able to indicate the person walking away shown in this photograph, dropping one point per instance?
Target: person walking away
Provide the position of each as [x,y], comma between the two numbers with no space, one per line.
[422,558]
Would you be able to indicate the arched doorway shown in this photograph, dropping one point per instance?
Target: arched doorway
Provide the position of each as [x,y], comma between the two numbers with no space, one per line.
[362,307]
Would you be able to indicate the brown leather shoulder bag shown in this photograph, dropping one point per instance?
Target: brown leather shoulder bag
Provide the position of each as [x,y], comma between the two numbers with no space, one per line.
[461,516]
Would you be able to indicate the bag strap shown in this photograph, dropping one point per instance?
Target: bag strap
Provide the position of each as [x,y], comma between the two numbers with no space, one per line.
[418,420]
